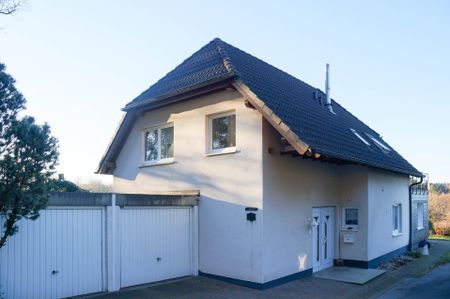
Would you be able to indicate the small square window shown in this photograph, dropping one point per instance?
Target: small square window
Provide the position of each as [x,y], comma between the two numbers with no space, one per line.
[397,219]
[350,218]
[222,132]
[158,144]
[420,214]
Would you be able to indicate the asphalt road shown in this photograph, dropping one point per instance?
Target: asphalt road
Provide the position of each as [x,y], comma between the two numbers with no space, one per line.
[434,284]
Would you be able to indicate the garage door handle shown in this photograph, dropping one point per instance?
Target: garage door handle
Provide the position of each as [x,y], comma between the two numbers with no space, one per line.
[158,259]
[55,272]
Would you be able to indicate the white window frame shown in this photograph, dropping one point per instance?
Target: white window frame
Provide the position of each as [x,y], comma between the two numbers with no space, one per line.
[397,208]
[227,150]
[420,216]
[352,227]
[159,160]
[360,137]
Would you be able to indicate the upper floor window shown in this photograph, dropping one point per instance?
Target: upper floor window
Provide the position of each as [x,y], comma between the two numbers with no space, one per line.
[222,132]
[397,219]
[158,144]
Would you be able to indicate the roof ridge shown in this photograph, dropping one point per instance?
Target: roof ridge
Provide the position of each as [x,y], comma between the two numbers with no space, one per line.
[226,58]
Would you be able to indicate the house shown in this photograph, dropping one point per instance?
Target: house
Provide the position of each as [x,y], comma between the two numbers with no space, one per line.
[289,180]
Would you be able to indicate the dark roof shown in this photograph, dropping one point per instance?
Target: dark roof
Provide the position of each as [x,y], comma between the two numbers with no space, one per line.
[291,99]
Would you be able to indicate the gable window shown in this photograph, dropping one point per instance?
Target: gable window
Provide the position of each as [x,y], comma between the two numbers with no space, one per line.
[420,214]
[222,133]
[360,137]
[350,218]
[158,144]
[397,219]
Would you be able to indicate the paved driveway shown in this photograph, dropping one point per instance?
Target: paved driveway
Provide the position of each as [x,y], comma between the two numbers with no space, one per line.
[435,284]
[202,288]
[311,287]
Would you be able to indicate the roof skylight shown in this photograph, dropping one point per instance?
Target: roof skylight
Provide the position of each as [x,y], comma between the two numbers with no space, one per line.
[360,137]
[380,144]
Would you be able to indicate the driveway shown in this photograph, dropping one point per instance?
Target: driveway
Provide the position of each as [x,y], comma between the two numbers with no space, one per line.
[410,275]
[435,284]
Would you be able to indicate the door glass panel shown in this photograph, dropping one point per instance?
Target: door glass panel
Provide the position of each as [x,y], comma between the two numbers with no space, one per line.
[325,239]
[318,242]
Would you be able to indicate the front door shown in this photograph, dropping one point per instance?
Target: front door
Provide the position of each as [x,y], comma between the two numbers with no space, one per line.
[323,238]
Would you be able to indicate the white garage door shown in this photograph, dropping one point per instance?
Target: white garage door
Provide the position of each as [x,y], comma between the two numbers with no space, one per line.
[155,244]
[57,255]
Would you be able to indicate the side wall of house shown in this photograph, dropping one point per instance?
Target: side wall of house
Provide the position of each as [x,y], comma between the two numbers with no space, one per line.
[385,190]
[292,188]
[229,245]
[419,235]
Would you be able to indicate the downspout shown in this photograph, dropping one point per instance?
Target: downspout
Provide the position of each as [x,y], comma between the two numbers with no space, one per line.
[410,211]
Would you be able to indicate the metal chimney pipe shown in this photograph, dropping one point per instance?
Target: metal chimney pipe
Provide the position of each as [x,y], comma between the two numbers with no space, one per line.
[327,90]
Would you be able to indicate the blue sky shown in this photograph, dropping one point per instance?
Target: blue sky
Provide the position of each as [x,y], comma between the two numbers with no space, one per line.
[79,62]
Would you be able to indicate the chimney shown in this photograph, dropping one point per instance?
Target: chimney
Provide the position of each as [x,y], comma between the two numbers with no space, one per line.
[61,176]
[327,90]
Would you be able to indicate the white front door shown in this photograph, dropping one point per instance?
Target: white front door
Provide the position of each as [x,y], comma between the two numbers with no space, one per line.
[323,238]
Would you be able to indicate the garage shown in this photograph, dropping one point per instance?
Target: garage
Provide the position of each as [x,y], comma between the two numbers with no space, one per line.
[58,255]
[156,244]
[93,242]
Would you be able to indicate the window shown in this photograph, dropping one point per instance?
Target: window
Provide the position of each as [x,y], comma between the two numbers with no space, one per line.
[158,144]
[349,218]
[378,143]
[397,219]
[420,214]
[222,133]
[360,137]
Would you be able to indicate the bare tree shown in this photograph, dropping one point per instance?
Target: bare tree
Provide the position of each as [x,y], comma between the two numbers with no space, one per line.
[8,7]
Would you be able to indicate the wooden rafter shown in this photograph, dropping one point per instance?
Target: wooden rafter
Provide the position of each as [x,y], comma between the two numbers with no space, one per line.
[300,146]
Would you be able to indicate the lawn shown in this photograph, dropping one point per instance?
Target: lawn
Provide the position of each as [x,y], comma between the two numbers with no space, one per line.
[439,237]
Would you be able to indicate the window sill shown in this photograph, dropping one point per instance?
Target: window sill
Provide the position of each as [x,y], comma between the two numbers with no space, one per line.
[397,234]
[420,228]
[346,229]
[157,163]
[225,151]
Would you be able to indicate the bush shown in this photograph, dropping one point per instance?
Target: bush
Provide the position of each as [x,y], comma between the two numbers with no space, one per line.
[442,228]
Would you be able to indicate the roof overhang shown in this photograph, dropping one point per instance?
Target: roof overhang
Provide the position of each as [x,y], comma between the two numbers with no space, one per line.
[107,163]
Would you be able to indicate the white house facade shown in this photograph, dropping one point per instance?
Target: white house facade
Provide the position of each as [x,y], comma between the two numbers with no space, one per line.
[289,181]
[230,168]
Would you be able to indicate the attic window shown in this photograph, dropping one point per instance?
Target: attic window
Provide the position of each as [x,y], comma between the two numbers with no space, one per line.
[360,137]
[380,144]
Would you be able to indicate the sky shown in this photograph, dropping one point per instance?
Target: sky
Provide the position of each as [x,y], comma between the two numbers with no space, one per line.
[79,62]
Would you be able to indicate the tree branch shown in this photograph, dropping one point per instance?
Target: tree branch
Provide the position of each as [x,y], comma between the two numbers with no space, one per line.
[9,225]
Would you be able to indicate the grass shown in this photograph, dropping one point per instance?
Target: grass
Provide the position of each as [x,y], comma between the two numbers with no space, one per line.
[414,254]
[439,237]
[445,259]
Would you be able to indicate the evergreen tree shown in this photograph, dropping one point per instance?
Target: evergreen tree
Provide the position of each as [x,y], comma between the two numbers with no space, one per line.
[28,156]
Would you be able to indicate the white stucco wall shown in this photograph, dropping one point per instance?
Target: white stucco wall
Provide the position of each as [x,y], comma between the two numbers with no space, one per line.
[292,188]
[385,190]
[285,189]
[229,245]
[353,193]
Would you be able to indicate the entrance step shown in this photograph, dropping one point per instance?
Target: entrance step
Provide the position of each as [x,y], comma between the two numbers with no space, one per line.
[350,275]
